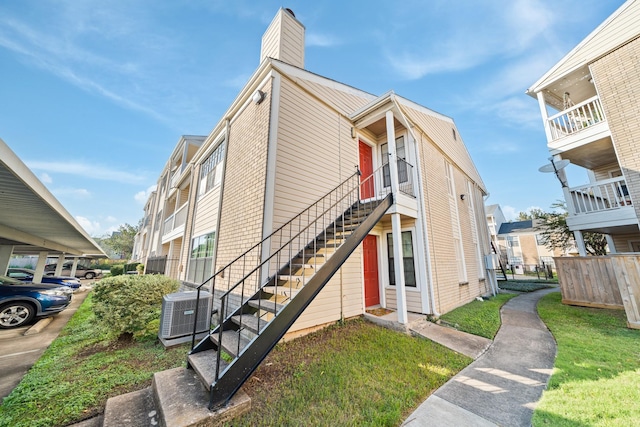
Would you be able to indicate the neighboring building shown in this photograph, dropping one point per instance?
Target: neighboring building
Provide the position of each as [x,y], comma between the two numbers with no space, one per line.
[591,113]
[291,136]
[311,201]
[159,241]
[522,245]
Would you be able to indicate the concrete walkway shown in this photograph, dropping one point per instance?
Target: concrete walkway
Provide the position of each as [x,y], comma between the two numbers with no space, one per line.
[502,386]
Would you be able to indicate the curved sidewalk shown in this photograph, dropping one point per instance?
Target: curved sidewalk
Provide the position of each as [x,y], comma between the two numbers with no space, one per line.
[503,385]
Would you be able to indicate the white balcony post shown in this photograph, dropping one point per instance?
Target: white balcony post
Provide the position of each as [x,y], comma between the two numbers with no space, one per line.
[612,246]
[545,116]
[582,250]
[396,229]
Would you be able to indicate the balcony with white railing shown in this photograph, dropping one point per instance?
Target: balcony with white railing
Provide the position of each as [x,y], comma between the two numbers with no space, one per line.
[174,225]
[600,204]
[576,118]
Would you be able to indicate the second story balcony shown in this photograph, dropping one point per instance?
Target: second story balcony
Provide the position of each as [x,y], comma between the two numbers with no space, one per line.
[576,118]
[600,205]
[174,225]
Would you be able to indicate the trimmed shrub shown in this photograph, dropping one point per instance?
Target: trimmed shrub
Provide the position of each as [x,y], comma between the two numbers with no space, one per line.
[131,303]
[117,270]
[140,268]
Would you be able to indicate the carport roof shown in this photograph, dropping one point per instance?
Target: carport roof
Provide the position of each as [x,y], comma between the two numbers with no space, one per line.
[32,219]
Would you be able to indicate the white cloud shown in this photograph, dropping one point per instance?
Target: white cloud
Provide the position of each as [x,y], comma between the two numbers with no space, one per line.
[85,170]
[320,40]
[142,196]
[91,227]
[46,178]
[510,213]
[510,29]
[78,193]
[111,218]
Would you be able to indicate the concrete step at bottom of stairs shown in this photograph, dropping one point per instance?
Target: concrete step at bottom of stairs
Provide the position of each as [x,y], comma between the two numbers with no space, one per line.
[176,398]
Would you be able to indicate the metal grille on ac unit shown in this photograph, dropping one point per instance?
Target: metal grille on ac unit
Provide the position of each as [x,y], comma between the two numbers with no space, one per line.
[178,314]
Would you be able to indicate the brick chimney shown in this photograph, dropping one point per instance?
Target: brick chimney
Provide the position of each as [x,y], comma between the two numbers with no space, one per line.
[284,39]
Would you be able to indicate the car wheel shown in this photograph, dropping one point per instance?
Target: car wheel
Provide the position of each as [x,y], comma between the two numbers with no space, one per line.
[89,275]
[16,314]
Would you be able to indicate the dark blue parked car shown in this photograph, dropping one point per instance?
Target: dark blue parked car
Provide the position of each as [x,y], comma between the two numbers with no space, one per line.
[26,275]
[20,302]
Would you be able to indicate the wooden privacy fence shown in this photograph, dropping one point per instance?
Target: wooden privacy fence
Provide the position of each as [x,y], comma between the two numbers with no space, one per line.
[611,281]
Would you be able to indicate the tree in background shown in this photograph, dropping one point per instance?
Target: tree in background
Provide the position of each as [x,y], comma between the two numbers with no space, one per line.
[121,242]
[555,232]
[532,213]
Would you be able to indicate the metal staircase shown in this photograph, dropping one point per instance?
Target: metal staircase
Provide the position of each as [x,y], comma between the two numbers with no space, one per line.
[262,292]
[502,277]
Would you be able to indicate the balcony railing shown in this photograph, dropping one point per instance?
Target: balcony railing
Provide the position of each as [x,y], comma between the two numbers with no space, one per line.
[176,219]
[405,177]
[599,196]
[576,118]
[175,175]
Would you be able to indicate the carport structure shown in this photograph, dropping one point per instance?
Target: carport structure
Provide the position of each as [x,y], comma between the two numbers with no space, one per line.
[33,222]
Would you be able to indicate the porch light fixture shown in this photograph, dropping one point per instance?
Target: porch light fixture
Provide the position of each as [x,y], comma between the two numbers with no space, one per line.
[462,196]
[258,96]
[353,132]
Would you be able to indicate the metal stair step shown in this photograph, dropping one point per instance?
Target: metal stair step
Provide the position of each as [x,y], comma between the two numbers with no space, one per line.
[204,364]
[250,322]
[289,291]
[263,304]
[231,342]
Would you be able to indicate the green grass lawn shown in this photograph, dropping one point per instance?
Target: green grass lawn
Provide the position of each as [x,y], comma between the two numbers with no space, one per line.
[478,317]
[596,379]
[78,373]
[525,286]
[353,374]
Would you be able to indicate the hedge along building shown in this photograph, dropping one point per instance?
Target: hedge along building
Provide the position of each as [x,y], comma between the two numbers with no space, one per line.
[291,137]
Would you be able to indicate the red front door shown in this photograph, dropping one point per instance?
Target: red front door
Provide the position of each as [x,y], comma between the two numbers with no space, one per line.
[366,168]
[371,286]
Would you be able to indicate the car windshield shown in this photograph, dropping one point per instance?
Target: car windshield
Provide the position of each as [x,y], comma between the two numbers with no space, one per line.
[4,280]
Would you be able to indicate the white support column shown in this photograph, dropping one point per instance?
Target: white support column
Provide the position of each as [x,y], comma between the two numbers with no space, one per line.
[545,116]
[74,267]
[5,256]
[42,260]
[582,250]
[396,229]
[58,271]
[612,246]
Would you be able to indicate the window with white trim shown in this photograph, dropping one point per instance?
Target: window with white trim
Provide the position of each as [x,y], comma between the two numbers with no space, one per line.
[201,258]
[211,170]
[407,258]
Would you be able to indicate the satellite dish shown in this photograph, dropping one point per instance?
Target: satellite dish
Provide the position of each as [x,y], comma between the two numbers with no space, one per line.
[554,166]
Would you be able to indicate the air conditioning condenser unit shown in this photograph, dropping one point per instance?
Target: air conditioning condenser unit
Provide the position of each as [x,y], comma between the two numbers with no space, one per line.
[178,314]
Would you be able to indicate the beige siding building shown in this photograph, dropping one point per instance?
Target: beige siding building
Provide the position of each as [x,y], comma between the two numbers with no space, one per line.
[591,114]
[292,138]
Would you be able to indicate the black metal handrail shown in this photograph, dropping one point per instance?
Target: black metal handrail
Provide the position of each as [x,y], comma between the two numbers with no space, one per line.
[324,227]
[260,244]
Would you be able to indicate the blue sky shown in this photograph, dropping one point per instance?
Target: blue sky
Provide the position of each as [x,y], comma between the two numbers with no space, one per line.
[95,95]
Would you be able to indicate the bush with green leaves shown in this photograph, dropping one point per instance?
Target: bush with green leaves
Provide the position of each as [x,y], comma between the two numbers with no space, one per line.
[116,270]
[130,303]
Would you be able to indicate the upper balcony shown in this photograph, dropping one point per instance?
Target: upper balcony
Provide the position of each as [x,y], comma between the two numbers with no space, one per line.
[600,205]
[576,118]
[174,225]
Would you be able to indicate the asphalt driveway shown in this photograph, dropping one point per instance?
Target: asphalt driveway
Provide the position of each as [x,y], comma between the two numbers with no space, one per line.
[18,352]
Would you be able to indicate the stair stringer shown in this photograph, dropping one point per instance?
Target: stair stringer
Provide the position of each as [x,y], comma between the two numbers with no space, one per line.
[241,369]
